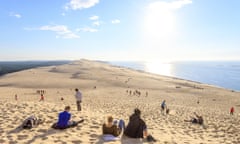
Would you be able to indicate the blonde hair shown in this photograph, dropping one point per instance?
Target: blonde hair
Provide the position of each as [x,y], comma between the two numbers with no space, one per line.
[110,119]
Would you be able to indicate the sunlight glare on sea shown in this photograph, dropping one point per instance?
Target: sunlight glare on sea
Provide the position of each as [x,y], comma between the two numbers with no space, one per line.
[162,68]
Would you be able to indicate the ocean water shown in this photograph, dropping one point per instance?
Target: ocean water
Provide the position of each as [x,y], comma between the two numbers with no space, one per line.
[224,74]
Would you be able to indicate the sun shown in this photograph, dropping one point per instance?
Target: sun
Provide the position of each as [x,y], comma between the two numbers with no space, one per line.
[159,24]
[159,21]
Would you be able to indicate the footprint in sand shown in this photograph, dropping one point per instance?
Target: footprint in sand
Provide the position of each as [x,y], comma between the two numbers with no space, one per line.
[77,142]
[10,126]
[94,136]
[13,142]
[44,138]
[22,137]
[42,130]
[94,127]
[2,141]
[92,139]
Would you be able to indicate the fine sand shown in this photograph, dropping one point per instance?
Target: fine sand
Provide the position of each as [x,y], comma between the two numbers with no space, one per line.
[105,91]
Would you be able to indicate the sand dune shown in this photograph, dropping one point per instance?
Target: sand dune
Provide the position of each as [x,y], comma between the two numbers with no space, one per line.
[104,90]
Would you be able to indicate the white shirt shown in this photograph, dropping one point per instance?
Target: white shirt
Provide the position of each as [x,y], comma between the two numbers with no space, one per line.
[78,96]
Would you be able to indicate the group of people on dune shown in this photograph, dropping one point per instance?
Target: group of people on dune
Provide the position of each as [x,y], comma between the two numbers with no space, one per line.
[136,127]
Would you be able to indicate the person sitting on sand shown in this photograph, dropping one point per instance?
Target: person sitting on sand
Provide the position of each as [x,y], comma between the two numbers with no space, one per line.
[113,127]
[64,120]
[136,127]
[196,120]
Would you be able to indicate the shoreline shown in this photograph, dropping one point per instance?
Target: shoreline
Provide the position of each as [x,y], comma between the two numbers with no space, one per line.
[60,62]
[116,63]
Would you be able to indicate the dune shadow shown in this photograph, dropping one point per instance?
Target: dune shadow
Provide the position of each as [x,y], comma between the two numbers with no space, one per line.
[16,130]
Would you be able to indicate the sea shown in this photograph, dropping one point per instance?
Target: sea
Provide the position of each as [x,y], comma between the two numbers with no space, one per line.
[225,74]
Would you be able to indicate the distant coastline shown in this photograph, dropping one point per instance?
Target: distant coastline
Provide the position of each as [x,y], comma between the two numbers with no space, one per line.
[15,66]
[223,74]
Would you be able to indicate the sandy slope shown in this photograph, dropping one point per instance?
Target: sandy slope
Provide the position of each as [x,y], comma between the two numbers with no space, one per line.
[110,98]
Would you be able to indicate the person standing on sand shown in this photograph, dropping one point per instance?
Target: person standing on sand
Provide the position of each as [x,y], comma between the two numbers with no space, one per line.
[16,97]
[78,97]
[163,105]
[41,98]
[231,110]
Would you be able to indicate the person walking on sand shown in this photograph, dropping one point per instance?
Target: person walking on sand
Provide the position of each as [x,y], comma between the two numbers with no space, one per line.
[163,106]
[78,97]
[231,110]
[41,98]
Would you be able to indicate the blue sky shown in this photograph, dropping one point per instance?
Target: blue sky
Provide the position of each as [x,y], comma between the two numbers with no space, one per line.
[145,30]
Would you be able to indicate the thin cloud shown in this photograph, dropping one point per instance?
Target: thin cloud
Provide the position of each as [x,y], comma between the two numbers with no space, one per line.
[94,18]
[96,23]
[15,15]
[169,5]
[116,21]
[61,31]
[80,4]
[87,29]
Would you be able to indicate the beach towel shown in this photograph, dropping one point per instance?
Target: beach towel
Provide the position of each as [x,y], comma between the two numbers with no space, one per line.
[109,137]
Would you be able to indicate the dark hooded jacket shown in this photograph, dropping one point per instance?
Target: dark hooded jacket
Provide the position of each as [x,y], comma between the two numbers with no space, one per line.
[135,127]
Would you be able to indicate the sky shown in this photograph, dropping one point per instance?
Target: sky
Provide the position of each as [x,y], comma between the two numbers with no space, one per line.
[120,30]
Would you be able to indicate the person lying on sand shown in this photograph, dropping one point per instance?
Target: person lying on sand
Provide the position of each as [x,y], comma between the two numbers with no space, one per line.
[113,127]
[64,120]
[31,122]
[196,120]
[137,128]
